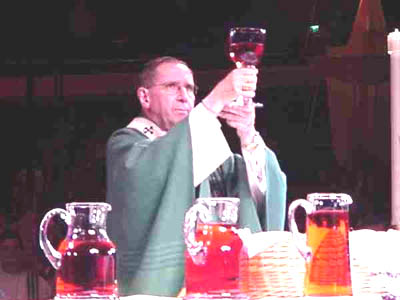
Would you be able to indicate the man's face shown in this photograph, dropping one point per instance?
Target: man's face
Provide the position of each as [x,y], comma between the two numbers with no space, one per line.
[171,95]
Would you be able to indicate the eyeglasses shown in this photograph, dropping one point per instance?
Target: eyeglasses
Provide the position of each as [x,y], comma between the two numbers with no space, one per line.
[173,88]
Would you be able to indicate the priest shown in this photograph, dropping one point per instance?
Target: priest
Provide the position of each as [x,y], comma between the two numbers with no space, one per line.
[175,152]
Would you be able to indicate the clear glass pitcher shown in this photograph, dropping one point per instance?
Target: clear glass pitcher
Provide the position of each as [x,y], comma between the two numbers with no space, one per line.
[212,249]
[326,248]
[85,260]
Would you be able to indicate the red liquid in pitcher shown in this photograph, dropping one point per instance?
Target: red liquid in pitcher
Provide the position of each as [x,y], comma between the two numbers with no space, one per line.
[246,52]
[87,268]
[328,273]
[219,271]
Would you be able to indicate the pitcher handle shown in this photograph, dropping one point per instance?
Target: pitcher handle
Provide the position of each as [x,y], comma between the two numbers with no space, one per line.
[51,254]
[300,243]
[195,248]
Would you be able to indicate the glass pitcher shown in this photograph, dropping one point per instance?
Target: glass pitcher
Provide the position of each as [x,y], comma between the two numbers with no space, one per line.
[85,260]
[212,249]
[326,248]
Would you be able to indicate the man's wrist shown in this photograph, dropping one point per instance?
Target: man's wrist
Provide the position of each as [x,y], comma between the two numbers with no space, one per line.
[209,108]
[250,142]
[213,104]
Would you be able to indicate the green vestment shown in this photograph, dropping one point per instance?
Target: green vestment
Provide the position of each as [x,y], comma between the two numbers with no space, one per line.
[150,187]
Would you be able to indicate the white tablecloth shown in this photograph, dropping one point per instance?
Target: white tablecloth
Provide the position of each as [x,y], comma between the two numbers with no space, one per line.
[362,297]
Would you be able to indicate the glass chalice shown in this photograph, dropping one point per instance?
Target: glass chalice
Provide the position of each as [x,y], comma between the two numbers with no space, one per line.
[246,48]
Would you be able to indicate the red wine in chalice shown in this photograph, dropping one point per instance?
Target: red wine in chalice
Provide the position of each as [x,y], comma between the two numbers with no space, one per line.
[247,53]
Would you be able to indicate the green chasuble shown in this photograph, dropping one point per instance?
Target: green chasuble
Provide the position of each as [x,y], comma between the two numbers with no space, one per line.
[150,188]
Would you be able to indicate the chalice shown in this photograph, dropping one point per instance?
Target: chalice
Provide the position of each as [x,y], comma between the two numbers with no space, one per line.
[246,48]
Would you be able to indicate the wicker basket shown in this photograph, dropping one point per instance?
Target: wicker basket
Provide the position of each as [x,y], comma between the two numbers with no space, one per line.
[276,270]
[272,266]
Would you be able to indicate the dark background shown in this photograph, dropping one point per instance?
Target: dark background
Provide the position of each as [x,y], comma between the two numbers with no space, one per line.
[67,29]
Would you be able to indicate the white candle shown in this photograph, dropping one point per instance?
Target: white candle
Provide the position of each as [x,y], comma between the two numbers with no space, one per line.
[394,42]
[394,51]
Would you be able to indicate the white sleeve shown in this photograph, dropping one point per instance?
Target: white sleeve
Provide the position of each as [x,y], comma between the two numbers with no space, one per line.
[210,148]
[254,157]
